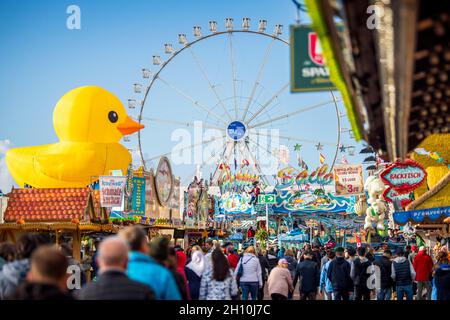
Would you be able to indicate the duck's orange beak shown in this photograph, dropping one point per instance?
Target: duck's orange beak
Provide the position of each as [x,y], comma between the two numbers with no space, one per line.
[129,126]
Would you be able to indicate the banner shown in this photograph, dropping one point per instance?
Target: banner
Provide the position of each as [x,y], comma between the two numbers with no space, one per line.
[138,197]
[348,179]
[417,216]
[308,69]
[112,191]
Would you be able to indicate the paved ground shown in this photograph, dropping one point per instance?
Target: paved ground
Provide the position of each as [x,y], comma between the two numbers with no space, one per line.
[296,294]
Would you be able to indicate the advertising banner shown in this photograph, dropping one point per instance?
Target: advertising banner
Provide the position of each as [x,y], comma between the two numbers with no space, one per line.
[138,197]
[112,191]
[405,176]
[348,179]
[418,216]
[308,69]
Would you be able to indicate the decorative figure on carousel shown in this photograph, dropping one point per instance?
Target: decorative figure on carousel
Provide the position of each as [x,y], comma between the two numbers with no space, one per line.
[250,233]
[255,192]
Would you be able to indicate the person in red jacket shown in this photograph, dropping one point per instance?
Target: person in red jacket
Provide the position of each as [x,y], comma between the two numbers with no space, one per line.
[233,258]
[423,265]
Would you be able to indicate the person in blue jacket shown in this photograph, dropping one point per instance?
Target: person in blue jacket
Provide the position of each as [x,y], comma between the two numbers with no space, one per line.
[325,286]
[145,269]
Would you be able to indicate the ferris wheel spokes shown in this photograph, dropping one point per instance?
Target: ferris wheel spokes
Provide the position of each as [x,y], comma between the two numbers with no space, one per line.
[258,133]
[211,86]
[193,101]
[204,162]
[225,157]
[268,102]
[233,74]
[201,143]
[258,78]
[183,123]
[287,115]
[257,166]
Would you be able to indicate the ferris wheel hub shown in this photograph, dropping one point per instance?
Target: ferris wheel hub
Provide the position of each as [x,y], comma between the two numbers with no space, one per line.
[236,130]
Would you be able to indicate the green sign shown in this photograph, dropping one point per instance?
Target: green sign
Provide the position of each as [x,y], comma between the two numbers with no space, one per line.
[266,199]
[308,69]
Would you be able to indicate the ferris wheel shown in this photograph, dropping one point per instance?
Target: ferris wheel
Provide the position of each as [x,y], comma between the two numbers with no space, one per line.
[230,88]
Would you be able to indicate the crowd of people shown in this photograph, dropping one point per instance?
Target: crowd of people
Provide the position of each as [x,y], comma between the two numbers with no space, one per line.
[129,266]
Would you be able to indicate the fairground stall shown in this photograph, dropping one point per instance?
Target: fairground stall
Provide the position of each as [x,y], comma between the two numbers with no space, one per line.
[65,213]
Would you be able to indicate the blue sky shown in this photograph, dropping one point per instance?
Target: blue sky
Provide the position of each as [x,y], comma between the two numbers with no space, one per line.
[41,59]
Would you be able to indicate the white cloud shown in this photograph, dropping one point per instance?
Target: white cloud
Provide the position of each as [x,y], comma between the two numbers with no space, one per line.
[4,146]
[6,181]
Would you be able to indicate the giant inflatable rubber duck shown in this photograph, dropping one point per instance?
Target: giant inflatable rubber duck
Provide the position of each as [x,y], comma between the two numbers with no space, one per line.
[89,122]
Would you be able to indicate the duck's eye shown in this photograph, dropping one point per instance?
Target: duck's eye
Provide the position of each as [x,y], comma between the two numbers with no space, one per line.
[113,117]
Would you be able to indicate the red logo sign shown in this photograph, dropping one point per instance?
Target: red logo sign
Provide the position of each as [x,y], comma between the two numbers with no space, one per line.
[315,49]
[404,177]
[391,195]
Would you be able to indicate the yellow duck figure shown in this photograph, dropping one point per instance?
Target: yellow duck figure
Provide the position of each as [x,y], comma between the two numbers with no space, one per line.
[89,122]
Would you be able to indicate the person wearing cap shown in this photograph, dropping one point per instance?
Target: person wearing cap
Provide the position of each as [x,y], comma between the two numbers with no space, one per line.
[414,252]
[403,275]
[280,281]
[423,265]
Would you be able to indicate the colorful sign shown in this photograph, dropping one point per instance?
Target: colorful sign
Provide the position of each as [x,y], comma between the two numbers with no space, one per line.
[112,191]
[405,176]
[235,203]
[348,179]
[391,195]
[308,69]
[138,197]
[290,176]
[418,216]
[312,201]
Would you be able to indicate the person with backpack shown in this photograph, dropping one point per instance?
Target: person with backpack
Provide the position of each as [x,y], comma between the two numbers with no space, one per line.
[248,273]
[339,275]
[359,274]
[386,283]
[403,274]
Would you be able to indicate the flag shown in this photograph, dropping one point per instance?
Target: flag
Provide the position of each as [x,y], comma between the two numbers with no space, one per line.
[322,158]
[245,163]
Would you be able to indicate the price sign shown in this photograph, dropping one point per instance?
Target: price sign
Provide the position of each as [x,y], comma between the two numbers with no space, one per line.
[348,179]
